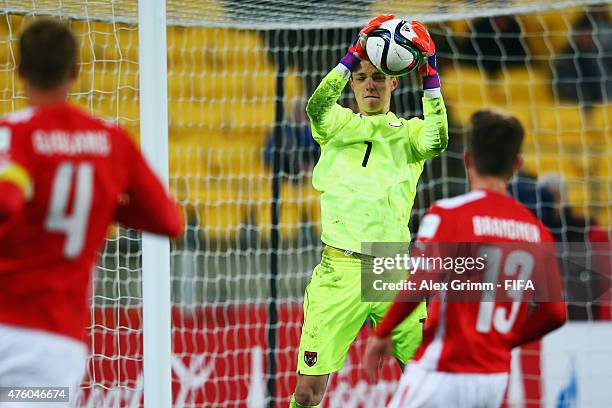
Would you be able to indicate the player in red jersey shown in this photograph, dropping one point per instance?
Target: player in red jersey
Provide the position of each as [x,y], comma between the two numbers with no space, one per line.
[464,359]
[64,177]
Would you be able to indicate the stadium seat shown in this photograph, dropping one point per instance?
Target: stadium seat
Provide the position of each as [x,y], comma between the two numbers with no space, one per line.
[218,218]
[297,204]
[561,142]
[10,26]
[227,84]
[189,46]
[466,89]
[546,32]
[523,112]
[107,76]
[600,118]
[215,49]
[602,186]
[200,85]
[220,114]
[601,142]
[9,86]
[101,41]
[459,28]
[557,124]
[228,96]
[13,24]
[567,164]
[200,152]
[213,200]
[226,100]
[121,106]
[239,49]
[522,86]
[213,171]
[5,31]
[6,48]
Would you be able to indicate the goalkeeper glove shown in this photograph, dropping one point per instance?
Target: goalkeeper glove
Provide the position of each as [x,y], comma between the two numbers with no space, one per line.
[356,52]
[429,69]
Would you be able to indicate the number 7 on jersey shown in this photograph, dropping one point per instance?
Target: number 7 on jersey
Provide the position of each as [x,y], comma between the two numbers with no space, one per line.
[364,163]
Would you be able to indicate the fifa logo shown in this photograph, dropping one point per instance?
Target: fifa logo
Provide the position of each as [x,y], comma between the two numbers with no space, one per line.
[518,284]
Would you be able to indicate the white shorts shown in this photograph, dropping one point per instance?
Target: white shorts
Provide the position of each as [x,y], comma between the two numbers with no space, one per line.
[419,388]
[35,358]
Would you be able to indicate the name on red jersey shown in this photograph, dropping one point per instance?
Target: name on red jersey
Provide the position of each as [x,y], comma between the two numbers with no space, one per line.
[47,142]
[505,228]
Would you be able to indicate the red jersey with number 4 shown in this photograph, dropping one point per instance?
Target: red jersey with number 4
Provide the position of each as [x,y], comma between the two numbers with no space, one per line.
[77,174]
[472,336]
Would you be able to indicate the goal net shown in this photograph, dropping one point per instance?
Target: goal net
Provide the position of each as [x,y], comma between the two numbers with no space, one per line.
[241,158]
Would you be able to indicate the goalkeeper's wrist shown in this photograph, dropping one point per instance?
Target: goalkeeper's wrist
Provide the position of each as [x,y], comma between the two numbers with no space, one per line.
[350,61]
[431,82]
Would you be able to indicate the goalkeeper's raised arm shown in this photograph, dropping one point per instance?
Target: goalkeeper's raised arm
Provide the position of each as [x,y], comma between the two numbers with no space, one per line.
[327,117]
[367,175]
[371,161]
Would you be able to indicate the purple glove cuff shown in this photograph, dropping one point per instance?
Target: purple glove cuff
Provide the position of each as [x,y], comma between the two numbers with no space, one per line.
[431,82]
[350,61]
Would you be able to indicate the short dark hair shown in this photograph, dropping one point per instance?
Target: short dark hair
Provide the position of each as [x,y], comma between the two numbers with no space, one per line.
[48,52]
[494,139]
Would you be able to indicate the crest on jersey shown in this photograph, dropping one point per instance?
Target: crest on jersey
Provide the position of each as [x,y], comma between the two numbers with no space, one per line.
[310,358]
[395,124]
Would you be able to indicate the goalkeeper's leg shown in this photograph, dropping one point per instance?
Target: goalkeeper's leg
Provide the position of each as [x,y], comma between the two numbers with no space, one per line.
[333,316]
[309,391]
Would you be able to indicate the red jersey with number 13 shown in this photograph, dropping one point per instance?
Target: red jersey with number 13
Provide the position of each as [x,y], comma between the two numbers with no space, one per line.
[475,337]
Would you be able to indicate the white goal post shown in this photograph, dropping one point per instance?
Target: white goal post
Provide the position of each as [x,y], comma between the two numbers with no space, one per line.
[156,302]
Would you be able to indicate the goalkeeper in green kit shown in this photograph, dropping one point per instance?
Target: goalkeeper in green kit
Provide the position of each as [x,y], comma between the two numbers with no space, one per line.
[367,176]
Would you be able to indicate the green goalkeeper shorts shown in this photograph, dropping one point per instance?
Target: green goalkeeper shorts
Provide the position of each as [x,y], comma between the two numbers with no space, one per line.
[334,314]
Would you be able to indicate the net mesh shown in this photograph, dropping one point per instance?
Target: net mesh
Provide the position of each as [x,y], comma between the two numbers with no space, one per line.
[223,63]
[268,14]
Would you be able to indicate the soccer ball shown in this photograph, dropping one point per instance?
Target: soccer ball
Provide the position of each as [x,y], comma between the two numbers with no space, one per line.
[391,50]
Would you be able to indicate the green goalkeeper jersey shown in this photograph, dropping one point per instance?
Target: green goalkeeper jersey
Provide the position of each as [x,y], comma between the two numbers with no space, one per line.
[369,166]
